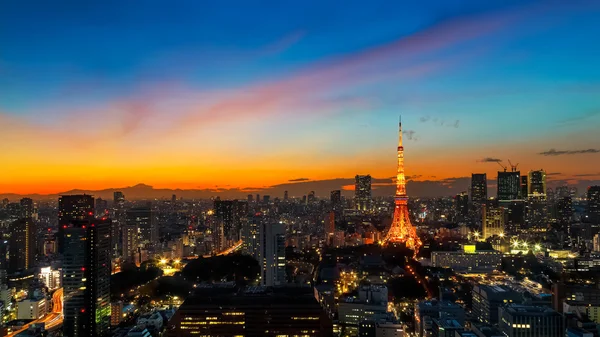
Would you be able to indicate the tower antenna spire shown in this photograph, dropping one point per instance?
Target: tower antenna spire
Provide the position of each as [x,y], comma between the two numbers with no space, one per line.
[401,230]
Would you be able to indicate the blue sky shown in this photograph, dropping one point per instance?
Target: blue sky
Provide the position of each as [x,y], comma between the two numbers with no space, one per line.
[290,83]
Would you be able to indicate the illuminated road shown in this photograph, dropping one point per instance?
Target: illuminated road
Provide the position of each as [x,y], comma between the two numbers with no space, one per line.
[229,250]
[421,280]
[51,320]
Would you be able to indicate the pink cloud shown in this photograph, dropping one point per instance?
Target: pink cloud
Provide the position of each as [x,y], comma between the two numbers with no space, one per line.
[313,90]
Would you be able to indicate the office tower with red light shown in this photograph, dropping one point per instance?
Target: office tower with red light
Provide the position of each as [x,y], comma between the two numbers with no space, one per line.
[73,208]
[86,277]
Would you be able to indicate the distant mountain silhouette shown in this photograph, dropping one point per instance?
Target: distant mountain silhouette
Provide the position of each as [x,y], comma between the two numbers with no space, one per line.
[322,188]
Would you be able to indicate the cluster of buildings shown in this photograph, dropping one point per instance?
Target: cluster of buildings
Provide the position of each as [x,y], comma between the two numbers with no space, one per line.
[89,239]
[524,205]
[225,310]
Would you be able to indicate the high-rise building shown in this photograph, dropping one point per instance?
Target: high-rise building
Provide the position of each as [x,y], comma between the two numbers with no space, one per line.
[461,204]
[564,210]
[509,185]
[251,237]
[593,203]
[596,243]
[530,321]
[22,245]
[119,199]
[329,226]
[285,196]
[271,254]
[144,219]
[130,241]
[27,208]
[73,208]
[524,187]
[251,312]
[362,192]
[478,189]
[537,211]
[515,214]
[493,221]
[118,216]
[232,213]
[336,200]
[101,207]
[86,278]
[266,199]
[250,198]
[311,197]
[537,184]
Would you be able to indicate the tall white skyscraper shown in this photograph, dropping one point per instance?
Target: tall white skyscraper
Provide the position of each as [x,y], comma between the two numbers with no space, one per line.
[271,253]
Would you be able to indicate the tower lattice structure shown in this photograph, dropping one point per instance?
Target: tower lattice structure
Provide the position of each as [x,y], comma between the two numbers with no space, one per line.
[401,230]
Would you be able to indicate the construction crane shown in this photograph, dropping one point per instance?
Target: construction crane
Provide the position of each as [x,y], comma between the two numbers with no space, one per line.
[512,167]
[504,167]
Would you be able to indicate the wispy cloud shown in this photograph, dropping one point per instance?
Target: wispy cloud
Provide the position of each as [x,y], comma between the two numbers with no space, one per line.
[554,152]
[299,179]
[410,134]
[299,93]
[440,122]
[580,118]
[490,160]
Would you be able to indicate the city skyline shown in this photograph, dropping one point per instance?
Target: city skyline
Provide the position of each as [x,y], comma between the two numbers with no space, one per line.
[104,97]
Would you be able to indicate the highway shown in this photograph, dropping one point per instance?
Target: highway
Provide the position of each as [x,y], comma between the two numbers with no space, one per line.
[227,251]
[51,320]
[55,318]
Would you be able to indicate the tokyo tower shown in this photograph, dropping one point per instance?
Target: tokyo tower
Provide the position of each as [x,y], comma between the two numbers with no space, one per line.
[402,231]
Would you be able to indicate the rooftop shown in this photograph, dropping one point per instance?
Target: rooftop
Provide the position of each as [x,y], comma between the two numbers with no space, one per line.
[529,309]
[448,324]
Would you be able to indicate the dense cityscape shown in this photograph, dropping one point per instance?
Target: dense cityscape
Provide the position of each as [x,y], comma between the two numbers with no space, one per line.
[303,168]
[525,262]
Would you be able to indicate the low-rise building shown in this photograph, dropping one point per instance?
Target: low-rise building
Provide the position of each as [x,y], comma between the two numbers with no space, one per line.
[467,261]
[116,313]
[530,321]
[51,277]
[152,321]
[426,311]
[445,327]
[371,301]
[32,308]
[138,332]
[487,300]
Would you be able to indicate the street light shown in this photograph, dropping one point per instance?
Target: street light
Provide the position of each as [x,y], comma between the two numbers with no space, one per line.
[163,261]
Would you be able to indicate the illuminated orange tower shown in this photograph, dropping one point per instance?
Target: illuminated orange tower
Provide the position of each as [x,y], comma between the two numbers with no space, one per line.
[402,231]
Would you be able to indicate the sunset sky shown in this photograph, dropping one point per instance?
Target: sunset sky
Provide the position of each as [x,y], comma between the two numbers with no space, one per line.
[252,94]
